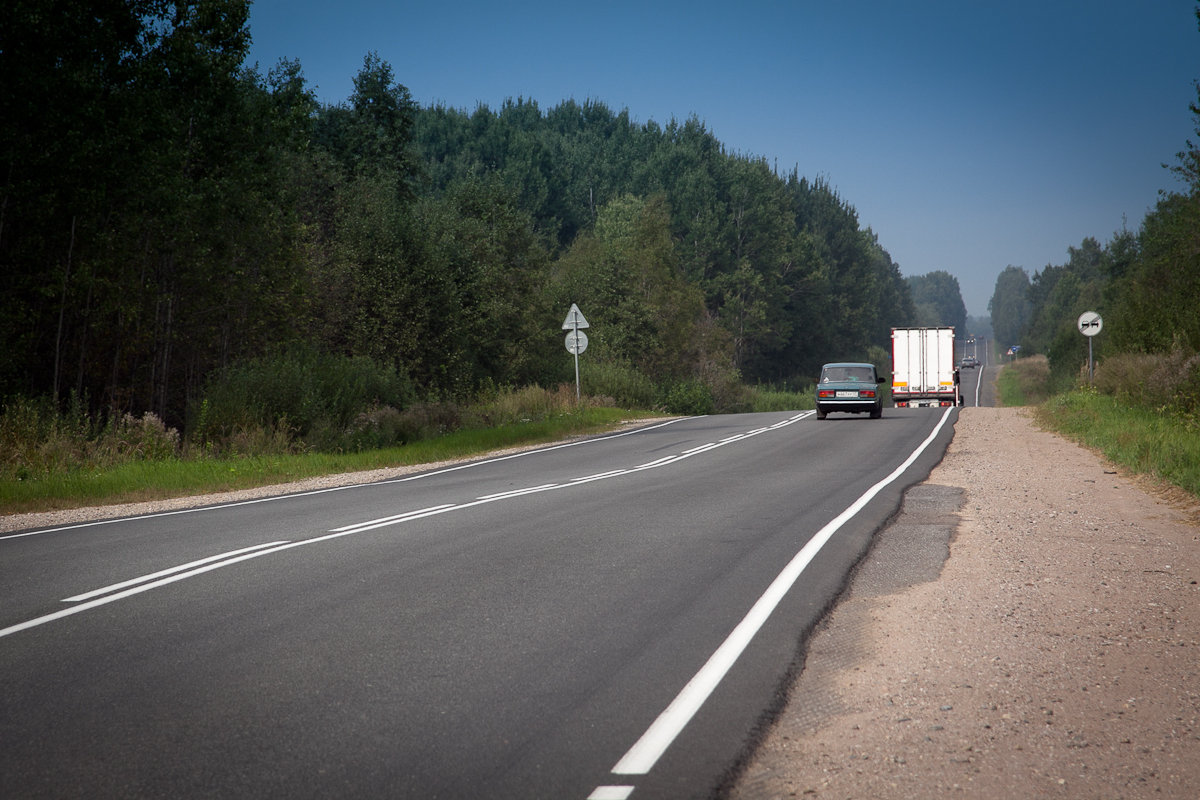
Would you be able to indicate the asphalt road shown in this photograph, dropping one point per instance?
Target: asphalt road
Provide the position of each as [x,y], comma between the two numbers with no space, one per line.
[607,619]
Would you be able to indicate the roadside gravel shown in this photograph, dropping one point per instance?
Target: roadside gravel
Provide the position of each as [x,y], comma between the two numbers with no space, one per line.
[1056,655]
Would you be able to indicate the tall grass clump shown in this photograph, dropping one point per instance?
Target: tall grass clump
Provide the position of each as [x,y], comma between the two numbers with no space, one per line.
[1164,382]
[621,384]
[303,399]
[38,439]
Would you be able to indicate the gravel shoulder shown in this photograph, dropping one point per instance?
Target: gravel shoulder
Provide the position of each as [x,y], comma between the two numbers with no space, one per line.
[1055,655]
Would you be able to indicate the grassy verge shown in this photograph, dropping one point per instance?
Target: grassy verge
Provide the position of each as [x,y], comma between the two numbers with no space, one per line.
[141,480]
[1144,441]
[1024,382]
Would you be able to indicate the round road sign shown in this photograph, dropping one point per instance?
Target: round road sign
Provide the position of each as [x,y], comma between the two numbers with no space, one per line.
[576,342]
[1090,323]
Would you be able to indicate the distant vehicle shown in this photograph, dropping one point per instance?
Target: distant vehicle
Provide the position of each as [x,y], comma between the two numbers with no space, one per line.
[970,362]
[923,372]
[850,386]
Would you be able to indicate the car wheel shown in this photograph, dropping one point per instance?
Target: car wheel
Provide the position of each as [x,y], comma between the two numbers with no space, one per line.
[820,414]
[876,413]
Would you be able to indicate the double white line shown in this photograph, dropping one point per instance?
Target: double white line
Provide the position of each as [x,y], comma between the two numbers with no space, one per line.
[144,583]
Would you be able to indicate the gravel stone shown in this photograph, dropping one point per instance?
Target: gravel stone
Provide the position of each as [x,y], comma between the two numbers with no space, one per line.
[1054,654]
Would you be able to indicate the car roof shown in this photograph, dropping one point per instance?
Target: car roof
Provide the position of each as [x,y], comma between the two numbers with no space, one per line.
[847,364]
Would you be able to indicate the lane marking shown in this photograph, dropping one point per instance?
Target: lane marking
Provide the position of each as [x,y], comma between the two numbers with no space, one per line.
[145,587]
[310,493]
[641,758]
[519,492]
[155,575]
[396,517]
[382,522]
[176,574]
[611,793]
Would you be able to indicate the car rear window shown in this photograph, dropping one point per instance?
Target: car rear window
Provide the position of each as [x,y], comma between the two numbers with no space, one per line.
[830,374]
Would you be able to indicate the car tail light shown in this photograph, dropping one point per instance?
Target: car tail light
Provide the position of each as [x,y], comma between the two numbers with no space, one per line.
[826,393]
[867,393]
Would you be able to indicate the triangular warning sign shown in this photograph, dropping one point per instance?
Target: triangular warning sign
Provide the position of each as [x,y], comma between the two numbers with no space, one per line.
[574,319]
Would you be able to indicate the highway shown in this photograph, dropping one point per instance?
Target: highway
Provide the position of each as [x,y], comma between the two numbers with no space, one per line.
[612,618]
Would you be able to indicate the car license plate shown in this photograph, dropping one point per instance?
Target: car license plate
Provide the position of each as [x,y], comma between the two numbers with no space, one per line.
[847,394]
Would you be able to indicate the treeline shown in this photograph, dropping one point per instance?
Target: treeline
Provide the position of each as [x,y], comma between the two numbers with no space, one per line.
[170,218]
[1145,284]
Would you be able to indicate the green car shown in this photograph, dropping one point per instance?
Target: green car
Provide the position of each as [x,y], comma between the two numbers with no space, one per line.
[851,387]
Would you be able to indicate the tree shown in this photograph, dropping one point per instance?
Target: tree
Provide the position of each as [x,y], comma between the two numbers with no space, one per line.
[938,300]
[1010,307]
[371,136]
[643,312]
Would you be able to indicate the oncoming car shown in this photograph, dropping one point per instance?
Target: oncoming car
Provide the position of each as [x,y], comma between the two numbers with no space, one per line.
[851,387]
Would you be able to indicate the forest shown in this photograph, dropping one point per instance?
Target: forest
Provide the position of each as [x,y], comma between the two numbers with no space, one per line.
[1144,283]
[174,222]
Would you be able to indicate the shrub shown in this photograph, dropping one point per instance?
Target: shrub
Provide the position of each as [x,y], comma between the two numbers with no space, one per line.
[1162,382]
[688,397]
[311,396]
[37,439]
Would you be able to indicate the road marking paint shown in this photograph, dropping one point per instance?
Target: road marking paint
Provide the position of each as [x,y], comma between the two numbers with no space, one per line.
[641,758]
[424,512]
[137,586]
[600,475]
[145,587]
[519,492]
[313,492]
[611,793]
[153,576]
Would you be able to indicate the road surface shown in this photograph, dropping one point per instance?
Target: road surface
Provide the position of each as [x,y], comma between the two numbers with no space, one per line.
[606,619]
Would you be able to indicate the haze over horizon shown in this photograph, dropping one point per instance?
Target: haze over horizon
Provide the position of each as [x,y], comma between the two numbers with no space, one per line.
[968,136]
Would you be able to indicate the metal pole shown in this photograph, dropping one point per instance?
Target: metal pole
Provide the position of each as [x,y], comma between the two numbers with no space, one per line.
[576,349]
[1091,368]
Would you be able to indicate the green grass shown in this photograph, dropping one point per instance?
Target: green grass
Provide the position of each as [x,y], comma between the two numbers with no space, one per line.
[1144,441]
[1024,382]
[767,399]
[140,480]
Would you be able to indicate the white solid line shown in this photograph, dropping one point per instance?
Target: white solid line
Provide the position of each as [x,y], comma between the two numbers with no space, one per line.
[154,576]
[640,758]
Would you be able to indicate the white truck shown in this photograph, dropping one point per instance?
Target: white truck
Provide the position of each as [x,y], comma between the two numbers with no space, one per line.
[923,372]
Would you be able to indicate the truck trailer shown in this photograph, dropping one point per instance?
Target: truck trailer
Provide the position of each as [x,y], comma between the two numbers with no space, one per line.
[923,372]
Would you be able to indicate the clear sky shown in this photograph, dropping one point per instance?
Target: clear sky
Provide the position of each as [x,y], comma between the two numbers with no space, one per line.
[969,135]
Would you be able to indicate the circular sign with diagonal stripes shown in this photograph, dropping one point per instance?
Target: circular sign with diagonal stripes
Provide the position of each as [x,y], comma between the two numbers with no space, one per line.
[1090,323]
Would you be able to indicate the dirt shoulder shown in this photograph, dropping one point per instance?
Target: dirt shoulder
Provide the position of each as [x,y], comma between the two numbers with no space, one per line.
[1057,654]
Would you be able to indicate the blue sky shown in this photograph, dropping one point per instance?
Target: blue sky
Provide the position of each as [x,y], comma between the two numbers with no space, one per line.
[968,135]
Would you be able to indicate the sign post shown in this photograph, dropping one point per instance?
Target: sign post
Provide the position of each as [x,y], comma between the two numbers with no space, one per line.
[1089,324]
[577,340]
